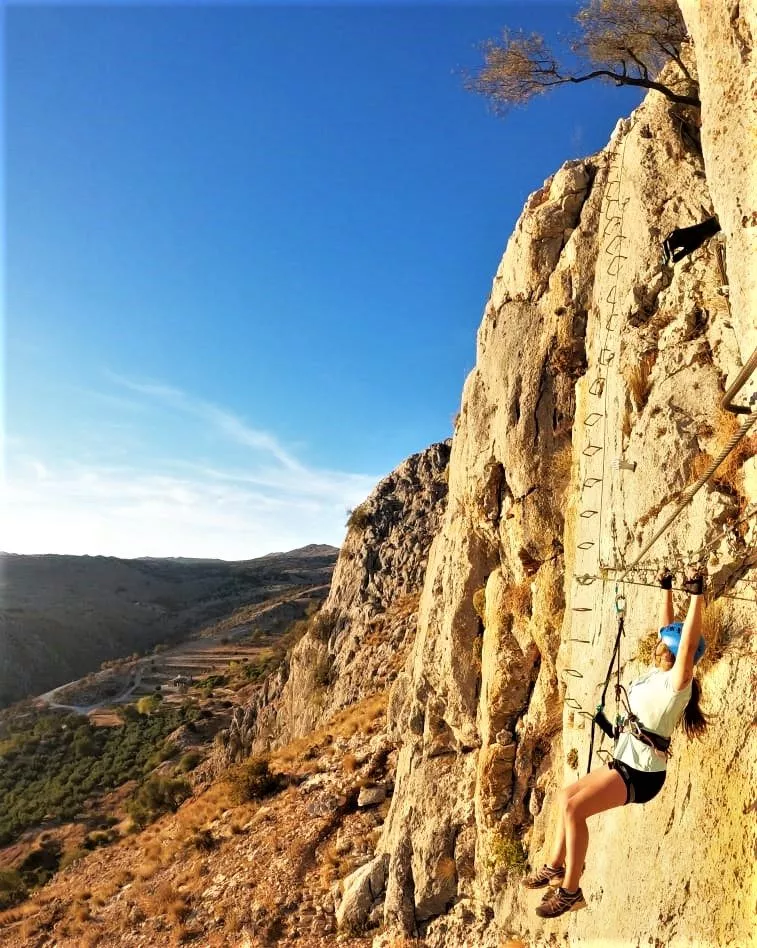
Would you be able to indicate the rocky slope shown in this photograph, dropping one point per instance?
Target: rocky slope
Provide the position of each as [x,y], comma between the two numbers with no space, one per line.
[354,646]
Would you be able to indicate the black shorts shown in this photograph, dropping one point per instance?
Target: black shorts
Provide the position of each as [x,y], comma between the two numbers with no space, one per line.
[641,785]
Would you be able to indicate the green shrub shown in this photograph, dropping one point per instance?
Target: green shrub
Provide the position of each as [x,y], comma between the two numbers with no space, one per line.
[12,888]
[204,840]
[252,780]
[158,795]
[71,856]
[506,852]
[189,761]
[149,704]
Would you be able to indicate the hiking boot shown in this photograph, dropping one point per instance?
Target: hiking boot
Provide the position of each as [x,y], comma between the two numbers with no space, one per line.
[559,902]
[544,876]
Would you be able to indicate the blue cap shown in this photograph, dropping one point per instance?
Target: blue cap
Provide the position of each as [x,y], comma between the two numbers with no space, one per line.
[671,638]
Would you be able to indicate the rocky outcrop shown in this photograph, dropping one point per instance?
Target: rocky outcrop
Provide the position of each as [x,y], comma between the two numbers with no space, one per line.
[590,353]
[354,646]
[724,34]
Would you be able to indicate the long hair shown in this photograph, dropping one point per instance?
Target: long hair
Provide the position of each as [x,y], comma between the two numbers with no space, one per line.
[694,721]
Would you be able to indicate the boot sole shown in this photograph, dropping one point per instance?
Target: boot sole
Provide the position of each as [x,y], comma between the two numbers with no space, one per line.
[574,908]
[553,883]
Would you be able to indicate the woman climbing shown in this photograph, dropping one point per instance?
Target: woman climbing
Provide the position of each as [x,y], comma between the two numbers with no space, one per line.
[656,702]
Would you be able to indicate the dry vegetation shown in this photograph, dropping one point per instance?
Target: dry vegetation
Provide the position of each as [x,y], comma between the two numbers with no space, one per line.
[517,599]
[729,476]
[638,379]
[261,858]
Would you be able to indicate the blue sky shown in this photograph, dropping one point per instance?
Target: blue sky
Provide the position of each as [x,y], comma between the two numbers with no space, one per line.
[247,251]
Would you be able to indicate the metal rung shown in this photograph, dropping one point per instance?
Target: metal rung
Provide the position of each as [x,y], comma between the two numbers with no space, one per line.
[606,356]
[608,325]
[585,580]
[572,703]
[611,219]
[586,545]
[610,298]
[588,513]
[592,481]
[592,418]
[586,714]
[620,238]
[581,641]
[574,673]
[597,386]
[613,267]
[604,754]
[582,609]
[591,449]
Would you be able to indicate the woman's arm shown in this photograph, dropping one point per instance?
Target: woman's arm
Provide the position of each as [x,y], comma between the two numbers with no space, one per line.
[683,669]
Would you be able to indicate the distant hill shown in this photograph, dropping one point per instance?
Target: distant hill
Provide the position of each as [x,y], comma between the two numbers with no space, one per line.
[62,616]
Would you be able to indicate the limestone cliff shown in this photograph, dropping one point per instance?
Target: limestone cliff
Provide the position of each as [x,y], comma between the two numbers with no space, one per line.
[590,353]
[353,647]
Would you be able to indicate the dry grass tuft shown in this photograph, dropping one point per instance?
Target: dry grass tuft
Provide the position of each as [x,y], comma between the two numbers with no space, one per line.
[517,599]
[560,468]
[445,869]
[349,763]
[729,476]
[572,758]
[645,648]
[719,630]
[361,716]
[479,603]
[638,379]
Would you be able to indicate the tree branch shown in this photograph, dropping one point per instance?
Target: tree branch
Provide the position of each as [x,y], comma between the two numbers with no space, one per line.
[625,80]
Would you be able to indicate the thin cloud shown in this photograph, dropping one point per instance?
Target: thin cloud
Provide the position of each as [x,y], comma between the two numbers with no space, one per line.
[224,421]
[174,506]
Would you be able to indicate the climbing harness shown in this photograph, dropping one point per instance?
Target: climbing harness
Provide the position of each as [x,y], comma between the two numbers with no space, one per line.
[628,721]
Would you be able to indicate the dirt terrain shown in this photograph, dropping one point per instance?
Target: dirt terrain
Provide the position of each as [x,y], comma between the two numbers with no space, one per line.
[61,617]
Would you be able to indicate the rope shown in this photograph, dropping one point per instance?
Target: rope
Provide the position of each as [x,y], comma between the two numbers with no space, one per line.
[615,654]
[690,492]
[738,382]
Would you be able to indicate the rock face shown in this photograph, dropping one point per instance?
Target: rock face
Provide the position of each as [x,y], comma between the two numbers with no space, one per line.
[355,645]
[590,353]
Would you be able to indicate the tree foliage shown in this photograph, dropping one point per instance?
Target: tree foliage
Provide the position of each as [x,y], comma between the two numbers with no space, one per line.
[622,41]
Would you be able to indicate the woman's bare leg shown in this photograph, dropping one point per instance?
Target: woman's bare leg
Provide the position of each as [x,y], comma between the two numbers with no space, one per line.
[557,853]
[600,791]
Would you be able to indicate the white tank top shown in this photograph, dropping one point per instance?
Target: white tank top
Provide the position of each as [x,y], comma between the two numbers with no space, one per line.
[659,708]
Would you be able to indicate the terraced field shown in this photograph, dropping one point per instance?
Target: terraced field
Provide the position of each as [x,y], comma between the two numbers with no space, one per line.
[248,638]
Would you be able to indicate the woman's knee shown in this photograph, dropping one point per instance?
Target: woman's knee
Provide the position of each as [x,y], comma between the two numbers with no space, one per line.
[573,808]
[564,797]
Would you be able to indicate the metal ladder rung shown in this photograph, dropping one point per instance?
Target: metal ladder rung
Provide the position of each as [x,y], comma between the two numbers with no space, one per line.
[606,356]
[615,262]
[591,449]
[573,672]
[585,580]
[588,513]
[586,545]
[572,703]
[592,481]
[592,418]
[597,386]
[582,609]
